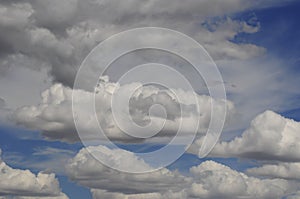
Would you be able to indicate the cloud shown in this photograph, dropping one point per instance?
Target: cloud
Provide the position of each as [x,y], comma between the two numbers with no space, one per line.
[15,15]
[97,194]
[88,171]
[23,183]
[61,33]
[53,116]
[289,170]
[55,37]
[61,196]
[48,14]
[294,196]
[2,103]
[43,158]
[269,137]
[214,180]
[24,78]
[243,80]
[207,180]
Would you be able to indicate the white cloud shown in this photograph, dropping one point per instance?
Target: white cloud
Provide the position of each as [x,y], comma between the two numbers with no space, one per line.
[213,180]
[207,180]
[98,194]
[59,39]
[286,170]
[88,171]
[61,196]
[269,137]
[54,117]
[23,183]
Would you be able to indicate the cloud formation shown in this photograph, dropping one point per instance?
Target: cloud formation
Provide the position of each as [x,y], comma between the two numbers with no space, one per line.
[23,183]
[285,170]
[53,116]
[207,180]
[269,137]
[61,33]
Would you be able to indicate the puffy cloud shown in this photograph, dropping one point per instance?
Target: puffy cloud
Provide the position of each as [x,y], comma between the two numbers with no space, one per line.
[285,170]
[61,196]
[57,35]
[97,194]
[54,117]
[269,137]
[88,171]
[207,180]
[23,183]
[61,33]
[213,180]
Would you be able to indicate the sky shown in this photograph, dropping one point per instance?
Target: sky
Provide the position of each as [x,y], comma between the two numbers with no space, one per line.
[69,131]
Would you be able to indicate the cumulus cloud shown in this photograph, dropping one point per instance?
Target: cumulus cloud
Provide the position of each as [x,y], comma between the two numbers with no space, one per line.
[207,180]
[53,116]
[286,170]
[57,35]
[61,196]
[214,180]
[269,137]
[88,171]
[61,33]
[23,183]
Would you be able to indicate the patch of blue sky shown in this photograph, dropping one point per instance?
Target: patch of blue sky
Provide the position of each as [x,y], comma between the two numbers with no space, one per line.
[279,31]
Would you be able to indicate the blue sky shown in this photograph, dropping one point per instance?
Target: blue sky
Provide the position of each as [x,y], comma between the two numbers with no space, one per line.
[43,147]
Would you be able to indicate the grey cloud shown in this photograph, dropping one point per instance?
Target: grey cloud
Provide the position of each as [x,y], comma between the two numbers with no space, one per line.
[2,103]
[61,33]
